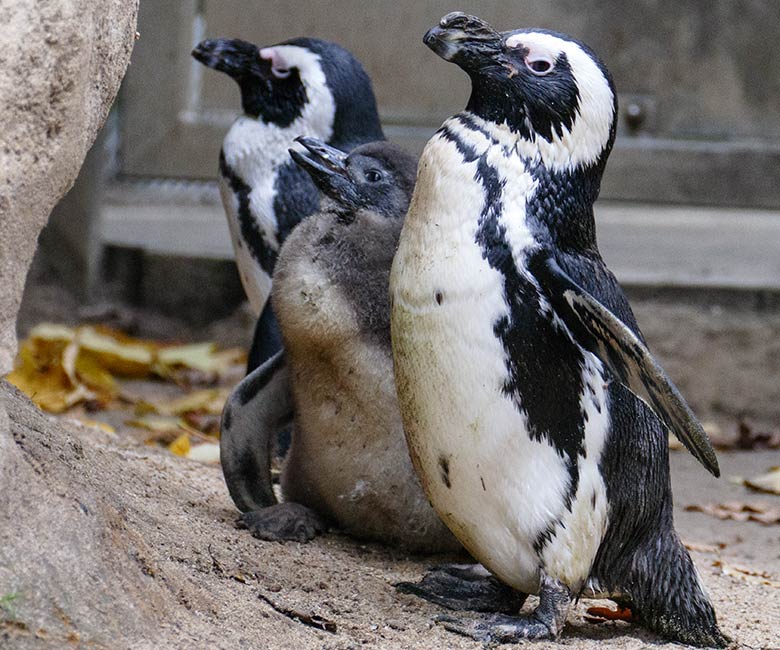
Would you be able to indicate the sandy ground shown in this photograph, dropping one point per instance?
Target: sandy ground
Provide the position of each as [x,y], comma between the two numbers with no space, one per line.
[113,544]
[143,553]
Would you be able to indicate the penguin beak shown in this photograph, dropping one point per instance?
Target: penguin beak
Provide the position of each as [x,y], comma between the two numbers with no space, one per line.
[234,57]
[463,39]
[325,164]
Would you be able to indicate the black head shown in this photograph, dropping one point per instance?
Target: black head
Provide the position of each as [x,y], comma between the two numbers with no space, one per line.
[309,79]
[378,176]
[550,89]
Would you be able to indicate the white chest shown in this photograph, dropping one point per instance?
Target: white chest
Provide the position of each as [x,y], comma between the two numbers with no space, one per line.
[494,486]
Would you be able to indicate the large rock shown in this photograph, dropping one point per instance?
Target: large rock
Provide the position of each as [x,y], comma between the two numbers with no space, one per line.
[61,63]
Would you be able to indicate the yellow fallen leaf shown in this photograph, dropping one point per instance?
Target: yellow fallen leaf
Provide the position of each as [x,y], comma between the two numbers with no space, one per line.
[769,482]
[198,356]
[209,400]
[120,356]
[39,373]
[180,446]
[59,366]
[90,372]
[51,332]
[158,423]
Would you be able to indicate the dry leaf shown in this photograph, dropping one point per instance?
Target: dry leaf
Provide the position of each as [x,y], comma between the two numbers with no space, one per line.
[603,614]
[208,400]
[58,367]
[749,438]
[704,548]
[39,373]
[758,512]
[749,575]
[207,423]
[769,482]
[180,446]
[158,423]
[196,356]
[120,355]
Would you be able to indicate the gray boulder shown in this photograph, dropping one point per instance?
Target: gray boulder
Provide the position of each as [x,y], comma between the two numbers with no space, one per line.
[61,64]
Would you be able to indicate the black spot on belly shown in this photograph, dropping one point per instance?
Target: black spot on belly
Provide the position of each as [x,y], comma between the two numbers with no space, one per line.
[438,296]
[482,480]
[593,500]
[444,471]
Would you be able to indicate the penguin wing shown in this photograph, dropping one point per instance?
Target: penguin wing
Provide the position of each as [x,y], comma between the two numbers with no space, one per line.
[602,333]
[257,408]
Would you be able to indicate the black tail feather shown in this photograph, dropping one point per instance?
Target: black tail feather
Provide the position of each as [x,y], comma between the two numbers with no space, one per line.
[641,555]
[667,595]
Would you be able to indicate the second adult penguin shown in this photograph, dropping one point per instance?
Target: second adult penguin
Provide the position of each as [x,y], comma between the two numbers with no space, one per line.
[301,87]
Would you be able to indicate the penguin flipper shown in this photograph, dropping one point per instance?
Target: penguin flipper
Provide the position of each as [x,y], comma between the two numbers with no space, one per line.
[257,408]
[266,339]
[602,333]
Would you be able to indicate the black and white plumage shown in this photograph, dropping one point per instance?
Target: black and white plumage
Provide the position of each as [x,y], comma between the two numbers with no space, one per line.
[301,87]
[348,464]
[515,348]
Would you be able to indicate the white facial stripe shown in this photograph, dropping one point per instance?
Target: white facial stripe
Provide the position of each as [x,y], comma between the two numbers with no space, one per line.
[590,132]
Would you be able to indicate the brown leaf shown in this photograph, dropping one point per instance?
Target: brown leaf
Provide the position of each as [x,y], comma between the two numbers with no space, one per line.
[207,423]
[757,512]
[749,438]
[749,575]
[40,374]
[769,482]
[704,548]
[601,614]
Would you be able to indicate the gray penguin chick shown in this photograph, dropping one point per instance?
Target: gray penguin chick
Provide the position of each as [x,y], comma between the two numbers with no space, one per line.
[348,464]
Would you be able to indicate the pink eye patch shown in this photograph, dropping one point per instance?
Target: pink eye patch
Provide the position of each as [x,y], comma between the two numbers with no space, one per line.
[279,67]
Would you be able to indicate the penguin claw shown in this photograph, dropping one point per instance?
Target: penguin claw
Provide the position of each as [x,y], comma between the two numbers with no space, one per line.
[498,628]
[464,587]
[283,522]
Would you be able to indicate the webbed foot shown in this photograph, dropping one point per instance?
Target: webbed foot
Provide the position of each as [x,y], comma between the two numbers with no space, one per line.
[283,522]
[465,587]
[546,622]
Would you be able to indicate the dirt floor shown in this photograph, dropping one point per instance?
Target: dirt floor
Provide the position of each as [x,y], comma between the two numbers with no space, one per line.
[109,543]
[113,544]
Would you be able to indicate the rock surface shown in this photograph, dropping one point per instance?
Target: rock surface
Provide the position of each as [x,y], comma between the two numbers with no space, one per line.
[105,543]
[61,64]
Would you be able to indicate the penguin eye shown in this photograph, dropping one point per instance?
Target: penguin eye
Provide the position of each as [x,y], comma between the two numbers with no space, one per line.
[373,176]
[540,66]
[280,73]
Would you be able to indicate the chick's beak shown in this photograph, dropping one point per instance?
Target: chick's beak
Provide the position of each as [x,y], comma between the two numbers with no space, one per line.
[325,164]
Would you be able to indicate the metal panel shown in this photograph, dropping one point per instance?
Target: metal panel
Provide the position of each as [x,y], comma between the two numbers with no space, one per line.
[702,80]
